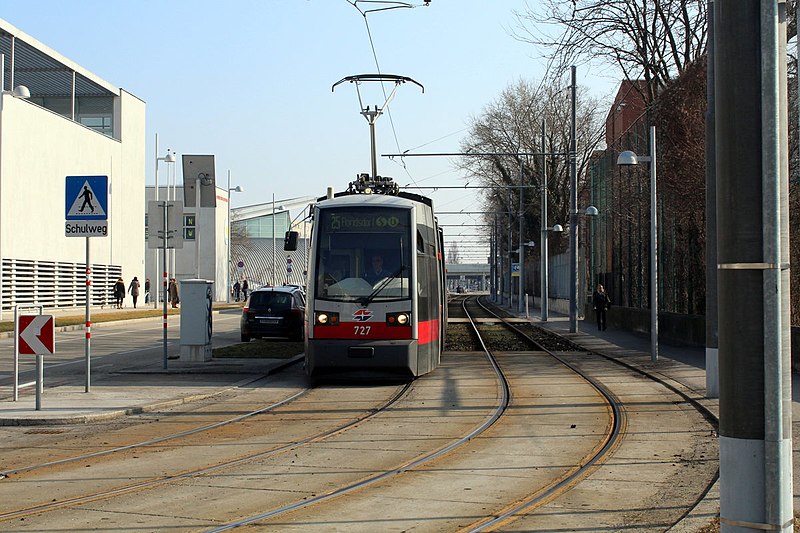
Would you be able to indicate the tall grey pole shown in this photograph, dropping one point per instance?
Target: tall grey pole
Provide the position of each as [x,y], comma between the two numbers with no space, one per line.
[228,230]
[573,216]
[521,281]
[166,280]
[653,248]
[543,253]
[274,252]
[510,256]
[155,300]
[753,277]
[493,261]
[712,339]
[491,264]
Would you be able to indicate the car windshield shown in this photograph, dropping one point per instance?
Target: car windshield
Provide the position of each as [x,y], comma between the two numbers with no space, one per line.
[361,249]
[277,301]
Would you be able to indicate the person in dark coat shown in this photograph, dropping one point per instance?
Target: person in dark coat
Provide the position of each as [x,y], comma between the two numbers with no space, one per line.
[237,289]
[601,302]
[133,290]
[172,290]
[244,289]
[147,290]
[119,293]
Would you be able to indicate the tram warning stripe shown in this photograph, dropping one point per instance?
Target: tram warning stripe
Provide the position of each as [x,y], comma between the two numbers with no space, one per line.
[427,331]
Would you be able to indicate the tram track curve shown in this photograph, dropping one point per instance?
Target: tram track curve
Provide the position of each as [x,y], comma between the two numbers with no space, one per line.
[674,388]
[575,474]
[499,516]
[57,503]
[585,464]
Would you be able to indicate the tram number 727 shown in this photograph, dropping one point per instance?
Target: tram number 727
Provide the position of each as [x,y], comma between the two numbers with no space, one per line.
[362,330]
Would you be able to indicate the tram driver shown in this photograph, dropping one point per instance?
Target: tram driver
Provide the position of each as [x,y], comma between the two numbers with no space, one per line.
[375,272]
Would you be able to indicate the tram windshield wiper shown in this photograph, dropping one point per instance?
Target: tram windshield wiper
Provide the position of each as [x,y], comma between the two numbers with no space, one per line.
[365,301]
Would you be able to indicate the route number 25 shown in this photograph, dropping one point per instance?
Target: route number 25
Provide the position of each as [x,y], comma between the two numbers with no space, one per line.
[362,330]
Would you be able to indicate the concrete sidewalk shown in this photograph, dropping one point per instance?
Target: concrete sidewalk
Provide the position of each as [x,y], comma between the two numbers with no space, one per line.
[137,389]
[104,315]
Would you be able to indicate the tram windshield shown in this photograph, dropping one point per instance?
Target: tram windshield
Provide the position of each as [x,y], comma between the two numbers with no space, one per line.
[363,254]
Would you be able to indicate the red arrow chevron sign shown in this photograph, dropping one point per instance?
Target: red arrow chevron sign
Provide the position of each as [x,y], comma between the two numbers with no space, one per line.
[36,335]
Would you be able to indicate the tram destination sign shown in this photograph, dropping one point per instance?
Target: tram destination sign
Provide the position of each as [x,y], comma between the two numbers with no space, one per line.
[362,221]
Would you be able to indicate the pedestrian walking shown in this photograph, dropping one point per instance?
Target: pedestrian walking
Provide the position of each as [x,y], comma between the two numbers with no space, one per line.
[133,290]
[172,289]
[244,288]
[237,291]
[147,290]
[119,293]
[601,302]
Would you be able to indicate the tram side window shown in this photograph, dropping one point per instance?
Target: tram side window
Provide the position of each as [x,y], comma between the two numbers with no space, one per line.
[420,243]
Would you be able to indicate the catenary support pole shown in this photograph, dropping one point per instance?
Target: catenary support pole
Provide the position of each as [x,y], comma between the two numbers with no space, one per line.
[653,248]
[521,281]
[544,251]
[510,287]
[573,215]
[753,257]
[712,338]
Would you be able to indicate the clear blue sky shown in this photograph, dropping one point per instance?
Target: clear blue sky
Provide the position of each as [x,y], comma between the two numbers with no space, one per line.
[250,82]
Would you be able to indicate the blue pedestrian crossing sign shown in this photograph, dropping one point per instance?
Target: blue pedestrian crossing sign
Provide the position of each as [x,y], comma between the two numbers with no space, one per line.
[86,206]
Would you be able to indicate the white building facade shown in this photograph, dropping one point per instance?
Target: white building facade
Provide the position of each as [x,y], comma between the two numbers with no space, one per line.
[73,124]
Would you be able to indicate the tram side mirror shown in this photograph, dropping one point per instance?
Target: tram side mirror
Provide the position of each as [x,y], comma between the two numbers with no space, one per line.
[290,241]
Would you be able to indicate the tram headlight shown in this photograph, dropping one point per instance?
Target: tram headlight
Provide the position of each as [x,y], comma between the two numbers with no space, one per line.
[398,319]
[325,318]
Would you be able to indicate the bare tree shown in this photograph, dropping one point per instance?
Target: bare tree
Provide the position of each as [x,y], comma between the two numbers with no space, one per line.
[512,125]
[654,40]
[453,254]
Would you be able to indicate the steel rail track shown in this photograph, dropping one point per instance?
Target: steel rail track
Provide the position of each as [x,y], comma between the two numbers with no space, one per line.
[505,395]
[560,486]
[160,480]
[710,417]
[151,442]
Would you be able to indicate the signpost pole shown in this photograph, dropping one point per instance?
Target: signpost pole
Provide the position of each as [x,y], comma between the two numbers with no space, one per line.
[86,214]
[88,357]
[16,353]
[39,380]
[35,335]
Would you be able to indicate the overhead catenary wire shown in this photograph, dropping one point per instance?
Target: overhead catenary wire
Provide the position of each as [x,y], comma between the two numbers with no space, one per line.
[385,5]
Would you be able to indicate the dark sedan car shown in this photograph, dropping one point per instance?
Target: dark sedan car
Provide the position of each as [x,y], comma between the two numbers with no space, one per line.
[274,312]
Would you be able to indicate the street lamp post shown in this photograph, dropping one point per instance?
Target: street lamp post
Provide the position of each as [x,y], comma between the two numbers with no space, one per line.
[238,188]
[169,158]
[628,158]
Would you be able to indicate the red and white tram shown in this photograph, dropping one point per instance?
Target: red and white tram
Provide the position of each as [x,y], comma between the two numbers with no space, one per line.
[376,298]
